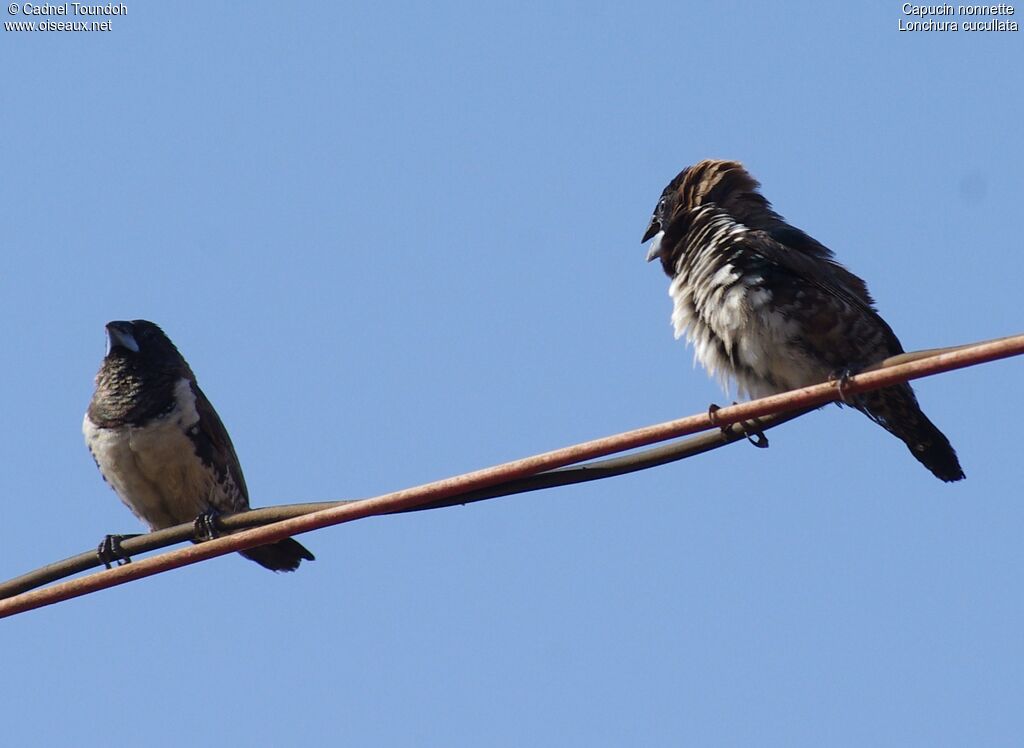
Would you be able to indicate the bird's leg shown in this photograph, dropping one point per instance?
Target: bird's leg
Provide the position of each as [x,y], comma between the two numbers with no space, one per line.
[110,551]
[205,526]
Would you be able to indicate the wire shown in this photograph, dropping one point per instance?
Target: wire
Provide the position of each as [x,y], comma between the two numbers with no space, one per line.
[474,485]
[185,532]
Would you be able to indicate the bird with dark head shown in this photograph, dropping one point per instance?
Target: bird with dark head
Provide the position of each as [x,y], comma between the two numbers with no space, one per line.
[160,444]
[767,306]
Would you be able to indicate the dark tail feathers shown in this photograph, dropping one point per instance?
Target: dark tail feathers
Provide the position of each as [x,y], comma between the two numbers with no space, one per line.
[896,410]
[284,555]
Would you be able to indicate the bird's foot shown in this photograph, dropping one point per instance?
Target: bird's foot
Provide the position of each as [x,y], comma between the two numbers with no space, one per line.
[712,410]
[841,378]
[205,526]
[111,553]
[749,428]
[753,434]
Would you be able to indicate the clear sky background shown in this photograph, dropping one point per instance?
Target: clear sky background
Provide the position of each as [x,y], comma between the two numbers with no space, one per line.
[397,243]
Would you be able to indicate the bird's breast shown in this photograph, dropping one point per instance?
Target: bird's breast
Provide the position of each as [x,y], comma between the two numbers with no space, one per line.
[727,312]
[153,467]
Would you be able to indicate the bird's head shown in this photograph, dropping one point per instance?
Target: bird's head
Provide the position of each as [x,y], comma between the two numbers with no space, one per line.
[720,183]
[142,346]
[138,376]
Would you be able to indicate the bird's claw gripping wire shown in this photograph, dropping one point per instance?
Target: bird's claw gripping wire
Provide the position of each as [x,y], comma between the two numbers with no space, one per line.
[841,378]
[111,553]
[752,434]
[205,526]
[712,409]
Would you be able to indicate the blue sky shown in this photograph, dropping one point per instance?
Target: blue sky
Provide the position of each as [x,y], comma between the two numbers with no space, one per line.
[398,243]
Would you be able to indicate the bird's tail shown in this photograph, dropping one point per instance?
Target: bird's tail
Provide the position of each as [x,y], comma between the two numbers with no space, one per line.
[284,555]
[896,410]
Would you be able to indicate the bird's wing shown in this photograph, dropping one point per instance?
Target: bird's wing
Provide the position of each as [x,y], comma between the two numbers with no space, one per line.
[214,448]
[787,248]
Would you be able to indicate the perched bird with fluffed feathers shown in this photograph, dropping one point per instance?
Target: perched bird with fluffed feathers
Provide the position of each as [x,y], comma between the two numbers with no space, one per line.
[767,306]
[160,444]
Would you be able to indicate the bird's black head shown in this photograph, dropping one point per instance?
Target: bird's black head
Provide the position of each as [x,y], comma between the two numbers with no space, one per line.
[143,343]
[139,373]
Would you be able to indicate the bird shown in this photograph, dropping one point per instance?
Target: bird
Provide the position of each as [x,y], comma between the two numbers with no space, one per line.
[768,308]
[160,444]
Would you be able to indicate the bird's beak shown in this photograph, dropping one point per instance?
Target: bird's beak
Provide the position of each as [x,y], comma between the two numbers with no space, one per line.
[653,232]
[652,228]
[119,335]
